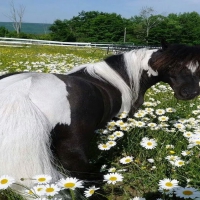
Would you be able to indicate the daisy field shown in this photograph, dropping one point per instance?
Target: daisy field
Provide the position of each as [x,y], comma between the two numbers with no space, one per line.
[154,155]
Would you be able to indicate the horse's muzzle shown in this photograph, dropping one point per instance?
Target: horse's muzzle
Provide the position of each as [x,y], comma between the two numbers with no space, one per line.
[187,93]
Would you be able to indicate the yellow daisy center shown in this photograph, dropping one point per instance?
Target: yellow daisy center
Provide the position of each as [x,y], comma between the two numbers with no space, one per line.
[91,191]
[187,192]
[69,185]
[50,190]
[181,163]
[4,181]
[128,160]
[198,142]
[39,189]
[113,178]
[104,146]
[30,192]
[169,184]
[41,179]
[149,143]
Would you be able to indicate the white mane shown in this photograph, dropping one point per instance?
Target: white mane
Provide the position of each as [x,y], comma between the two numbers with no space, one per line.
[135,62]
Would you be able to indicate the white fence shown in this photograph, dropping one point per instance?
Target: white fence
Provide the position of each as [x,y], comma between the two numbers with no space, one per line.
[16,42]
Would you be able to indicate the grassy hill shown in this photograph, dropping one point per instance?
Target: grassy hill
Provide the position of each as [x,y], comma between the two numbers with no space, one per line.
[33,28]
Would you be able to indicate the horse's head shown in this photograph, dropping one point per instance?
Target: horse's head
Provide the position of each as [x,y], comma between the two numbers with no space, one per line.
[179,66]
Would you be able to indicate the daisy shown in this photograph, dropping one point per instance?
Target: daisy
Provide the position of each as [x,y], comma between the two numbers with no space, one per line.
[139,124]
[148,104]
[126,160]
[41,179]
[113,178]
[183,121]
[179,163]
[111,143]
[105,132]
[104,147]
[122,115]
[39,190]
[70,183]
[119,122]
[160,112]
[195,112]
[187,192]
[172,158]
[51,189]
[163,118]
[194,141]
[169,146]
[168,184]
[111,128]
[179,126]
[111,123]
[112,137]
[188,134]
[124,127]
[187,153]
[140,114]
[148,143]
[197,131]
[118,134]
[170,110]
[30,192]
[112,169]
[151,160]
[149,110]
[90,191]
[152,125]
[6,181]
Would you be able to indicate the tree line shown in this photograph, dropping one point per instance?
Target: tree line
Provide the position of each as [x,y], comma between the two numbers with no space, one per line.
[147,28]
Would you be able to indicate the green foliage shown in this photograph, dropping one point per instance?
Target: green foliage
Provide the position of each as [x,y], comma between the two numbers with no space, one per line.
[97,27]
[3,31]
[143,29]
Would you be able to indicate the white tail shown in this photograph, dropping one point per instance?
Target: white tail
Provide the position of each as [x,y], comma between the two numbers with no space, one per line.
[24,135]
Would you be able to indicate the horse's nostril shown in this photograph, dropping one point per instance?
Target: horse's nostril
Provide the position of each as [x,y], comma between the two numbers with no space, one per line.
[186,92]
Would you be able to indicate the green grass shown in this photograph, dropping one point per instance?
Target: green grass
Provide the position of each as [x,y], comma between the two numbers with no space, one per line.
[141,177]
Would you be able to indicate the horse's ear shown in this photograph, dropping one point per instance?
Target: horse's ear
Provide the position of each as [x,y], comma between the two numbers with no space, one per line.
[164,44]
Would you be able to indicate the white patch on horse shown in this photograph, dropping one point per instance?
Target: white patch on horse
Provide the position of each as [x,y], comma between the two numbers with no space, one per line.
[48,93]
[136,62]
[24,130]
[193,66]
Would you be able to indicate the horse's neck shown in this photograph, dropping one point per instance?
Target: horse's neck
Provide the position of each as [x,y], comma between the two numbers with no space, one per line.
[145,83]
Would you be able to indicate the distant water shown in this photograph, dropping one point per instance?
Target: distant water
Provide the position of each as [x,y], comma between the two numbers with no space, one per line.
[34,28]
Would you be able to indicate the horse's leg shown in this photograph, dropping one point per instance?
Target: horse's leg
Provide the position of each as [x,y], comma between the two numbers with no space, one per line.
[72,146]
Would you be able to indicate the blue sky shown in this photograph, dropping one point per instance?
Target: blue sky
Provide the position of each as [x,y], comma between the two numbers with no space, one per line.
[47,11]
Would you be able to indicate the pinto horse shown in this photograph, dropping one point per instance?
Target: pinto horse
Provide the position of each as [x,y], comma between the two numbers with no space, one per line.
[48,121]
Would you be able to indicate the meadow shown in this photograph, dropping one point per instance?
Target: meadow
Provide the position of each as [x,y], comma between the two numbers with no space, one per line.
[154,155]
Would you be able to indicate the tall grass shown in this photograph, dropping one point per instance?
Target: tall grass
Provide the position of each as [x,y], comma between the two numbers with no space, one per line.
[171,125]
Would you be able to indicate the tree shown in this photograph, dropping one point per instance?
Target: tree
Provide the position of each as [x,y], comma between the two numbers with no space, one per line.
[3,31]
[16,16]
[90,26]
[61,31]
[149,20]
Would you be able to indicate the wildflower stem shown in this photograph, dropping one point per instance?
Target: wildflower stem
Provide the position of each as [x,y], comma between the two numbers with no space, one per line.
[72,194]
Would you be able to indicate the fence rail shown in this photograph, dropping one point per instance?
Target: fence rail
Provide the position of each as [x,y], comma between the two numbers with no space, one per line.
[107,46]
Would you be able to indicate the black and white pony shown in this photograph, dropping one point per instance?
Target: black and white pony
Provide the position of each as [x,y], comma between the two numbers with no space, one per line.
[48,121]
